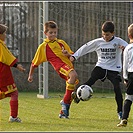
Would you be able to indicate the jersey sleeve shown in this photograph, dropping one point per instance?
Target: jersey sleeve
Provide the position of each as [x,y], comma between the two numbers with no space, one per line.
[125,64]
[123,42]
[40,55]
[6,57]
[86,48]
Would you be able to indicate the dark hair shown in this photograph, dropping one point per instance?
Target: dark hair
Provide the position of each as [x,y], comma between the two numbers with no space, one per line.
[49,24]
[3,28]
[108,26]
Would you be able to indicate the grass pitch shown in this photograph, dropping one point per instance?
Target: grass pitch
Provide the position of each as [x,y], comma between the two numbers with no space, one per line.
[41,115]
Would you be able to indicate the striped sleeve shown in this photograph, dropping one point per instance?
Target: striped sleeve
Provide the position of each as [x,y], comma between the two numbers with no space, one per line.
[40,55]
[6,57]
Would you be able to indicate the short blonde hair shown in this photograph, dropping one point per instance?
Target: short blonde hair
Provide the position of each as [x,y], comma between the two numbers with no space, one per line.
[3,28]
[130,30]
[49,24]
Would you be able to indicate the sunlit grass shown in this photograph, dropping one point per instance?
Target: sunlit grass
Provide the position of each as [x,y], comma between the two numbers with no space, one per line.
[97,114]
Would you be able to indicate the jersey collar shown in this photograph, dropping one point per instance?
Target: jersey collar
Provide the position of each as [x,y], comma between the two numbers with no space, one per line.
[47,40]
[111,38]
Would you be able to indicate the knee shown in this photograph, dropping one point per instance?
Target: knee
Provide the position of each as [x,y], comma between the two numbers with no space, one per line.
[72,77]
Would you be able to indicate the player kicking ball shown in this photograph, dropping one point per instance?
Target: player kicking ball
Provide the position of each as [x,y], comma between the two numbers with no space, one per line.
[52,50]
[109,50]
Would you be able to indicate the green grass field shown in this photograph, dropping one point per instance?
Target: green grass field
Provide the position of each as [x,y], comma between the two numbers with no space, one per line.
[98,114]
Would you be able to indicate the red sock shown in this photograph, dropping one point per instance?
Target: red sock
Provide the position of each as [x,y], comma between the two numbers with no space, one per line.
[14,108]
[69,89]
[67,97]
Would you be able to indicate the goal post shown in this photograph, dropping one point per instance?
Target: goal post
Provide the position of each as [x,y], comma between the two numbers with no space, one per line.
[43,68]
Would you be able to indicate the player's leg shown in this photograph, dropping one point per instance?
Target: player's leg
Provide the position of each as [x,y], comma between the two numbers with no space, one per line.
[14,107]
[128,101]
[71,77]
[12,92]
[115,79]
[126,110]
[97,73]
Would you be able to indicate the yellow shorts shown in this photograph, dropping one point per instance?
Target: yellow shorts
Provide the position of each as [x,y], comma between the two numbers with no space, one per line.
[64,71]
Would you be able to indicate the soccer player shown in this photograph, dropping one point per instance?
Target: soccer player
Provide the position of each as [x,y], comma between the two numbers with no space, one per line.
[128,77]
[54,51]
[7,85]
[109,49]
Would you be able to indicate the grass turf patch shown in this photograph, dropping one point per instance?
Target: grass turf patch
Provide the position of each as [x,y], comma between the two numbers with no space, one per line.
[97,114]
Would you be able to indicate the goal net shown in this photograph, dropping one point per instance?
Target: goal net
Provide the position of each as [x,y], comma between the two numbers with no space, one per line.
[80,22]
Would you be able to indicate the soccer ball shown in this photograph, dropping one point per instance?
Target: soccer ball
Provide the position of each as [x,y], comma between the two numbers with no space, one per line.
[84,92]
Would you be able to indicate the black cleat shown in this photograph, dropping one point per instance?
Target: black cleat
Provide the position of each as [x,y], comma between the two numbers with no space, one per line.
[75,98]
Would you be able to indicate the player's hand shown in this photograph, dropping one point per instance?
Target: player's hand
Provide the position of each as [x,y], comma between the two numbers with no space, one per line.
[65,52]
[20,68]
[30,78]
[71,58]
[125,82]
[121,47]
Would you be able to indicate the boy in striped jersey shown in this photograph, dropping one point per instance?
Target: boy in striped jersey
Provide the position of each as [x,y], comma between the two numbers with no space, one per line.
[54,51]
[7,85]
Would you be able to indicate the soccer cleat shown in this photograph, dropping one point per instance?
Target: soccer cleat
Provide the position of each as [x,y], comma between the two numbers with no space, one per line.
[120,115]
[17,119]
[64,113]
[75,98]
[123,123]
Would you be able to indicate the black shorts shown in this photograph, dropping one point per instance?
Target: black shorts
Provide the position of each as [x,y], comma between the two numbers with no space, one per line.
[102,74]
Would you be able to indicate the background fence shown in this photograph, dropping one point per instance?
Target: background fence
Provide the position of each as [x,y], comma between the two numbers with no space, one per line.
[79,22]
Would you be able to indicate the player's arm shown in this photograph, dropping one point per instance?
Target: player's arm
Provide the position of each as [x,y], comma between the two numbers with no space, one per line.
[122,44]
[66,49]
[66,53]
[84,49]
[19,67]
[30,77]
[125,66]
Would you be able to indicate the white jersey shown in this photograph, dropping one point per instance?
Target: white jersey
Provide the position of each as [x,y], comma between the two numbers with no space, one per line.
[128,60]
[109,53]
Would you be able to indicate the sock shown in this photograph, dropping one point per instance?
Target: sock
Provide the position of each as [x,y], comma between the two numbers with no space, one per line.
[14,108]
[69,89]
[126,108]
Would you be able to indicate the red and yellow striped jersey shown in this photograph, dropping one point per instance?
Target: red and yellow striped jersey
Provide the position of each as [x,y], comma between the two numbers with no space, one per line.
[7,60]
[51,51]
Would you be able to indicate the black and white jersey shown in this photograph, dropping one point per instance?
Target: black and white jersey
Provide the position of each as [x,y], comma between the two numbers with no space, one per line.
[128,60]
[109,53]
